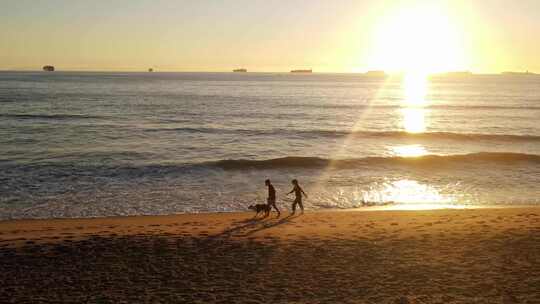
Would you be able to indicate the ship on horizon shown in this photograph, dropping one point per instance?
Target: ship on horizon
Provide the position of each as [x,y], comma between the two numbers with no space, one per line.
[302,71]
[240,70]
[518,73]
[453,74]
[48,68]
[376,73]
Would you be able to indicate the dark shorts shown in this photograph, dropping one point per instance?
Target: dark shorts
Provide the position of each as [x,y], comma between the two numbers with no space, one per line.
[271,201]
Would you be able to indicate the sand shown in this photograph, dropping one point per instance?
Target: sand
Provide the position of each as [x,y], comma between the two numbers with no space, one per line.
[438,256]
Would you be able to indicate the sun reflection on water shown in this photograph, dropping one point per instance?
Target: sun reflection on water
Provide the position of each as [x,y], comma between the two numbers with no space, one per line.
[413,112]
[407,191]
[409,150]
[415,89]
[414,120]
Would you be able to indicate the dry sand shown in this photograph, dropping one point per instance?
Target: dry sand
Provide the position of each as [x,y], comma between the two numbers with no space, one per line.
[442,256]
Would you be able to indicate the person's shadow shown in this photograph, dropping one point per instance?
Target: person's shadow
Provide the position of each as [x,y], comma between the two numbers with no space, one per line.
[252,225]
[268,225]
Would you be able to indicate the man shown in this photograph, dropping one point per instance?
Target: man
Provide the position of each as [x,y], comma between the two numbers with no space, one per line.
[271,200]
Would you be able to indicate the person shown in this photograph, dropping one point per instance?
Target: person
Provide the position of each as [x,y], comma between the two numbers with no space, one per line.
[298,191]
[271,200]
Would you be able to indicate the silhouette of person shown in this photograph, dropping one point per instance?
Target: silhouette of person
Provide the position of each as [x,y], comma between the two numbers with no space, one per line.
[298,191]
[271,200]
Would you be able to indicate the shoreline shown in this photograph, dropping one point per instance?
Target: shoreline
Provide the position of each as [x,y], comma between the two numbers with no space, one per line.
[487,255]
[390,207]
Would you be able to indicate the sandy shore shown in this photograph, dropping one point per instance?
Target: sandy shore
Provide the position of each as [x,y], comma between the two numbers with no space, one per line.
[440,256]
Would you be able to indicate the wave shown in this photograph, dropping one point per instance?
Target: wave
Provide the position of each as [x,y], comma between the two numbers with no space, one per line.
[361,134]
[50,116]
[45,173]
[399,105]
[442,135]
[427,160]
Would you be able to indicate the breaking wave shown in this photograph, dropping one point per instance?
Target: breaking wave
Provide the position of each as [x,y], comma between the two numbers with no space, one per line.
[427,160]
[360,134]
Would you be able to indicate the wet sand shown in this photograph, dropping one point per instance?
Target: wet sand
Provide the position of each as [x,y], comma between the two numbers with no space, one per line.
[438,256]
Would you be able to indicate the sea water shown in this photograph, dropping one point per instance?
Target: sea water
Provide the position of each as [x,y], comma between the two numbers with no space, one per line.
[88,144]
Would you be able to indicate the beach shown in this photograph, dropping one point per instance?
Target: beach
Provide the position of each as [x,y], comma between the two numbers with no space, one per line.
[385,256]
[156,151]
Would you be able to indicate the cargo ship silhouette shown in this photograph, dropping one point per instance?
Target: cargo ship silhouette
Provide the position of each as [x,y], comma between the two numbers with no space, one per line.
[302,71]
[240,70]
[376,73]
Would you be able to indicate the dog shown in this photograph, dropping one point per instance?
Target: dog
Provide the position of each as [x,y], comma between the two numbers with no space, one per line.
[258,208]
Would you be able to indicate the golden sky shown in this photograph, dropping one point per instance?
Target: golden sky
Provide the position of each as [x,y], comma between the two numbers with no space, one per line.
[484,36]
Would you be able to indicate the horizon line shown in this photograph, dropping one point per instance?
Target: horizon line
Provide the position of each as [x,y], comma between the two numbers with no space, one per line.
[267,72]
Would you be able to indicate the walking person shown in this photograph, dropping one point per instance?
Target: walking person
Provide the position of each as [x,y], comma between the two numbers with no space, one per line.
[298,191]
[271,200]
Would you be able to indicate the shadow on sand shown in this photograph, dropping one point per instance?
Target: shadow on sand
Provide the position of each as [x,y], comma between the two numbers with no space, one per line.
[252,225]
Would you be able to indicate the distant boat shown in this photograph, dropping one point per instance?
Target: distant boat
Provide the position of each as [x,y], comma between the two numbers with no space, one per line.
[376,74]
[518,73]
[455,74]
[150,70]
[48,68]
[239,70]
[302,71]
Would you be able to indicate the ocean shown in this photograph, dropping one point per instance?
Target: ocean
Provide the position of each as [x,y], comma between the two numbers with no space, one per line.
[88,144]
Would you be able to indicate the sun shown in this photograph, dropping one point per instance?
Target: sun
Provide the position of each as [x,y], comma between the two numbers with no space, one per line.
[417,39]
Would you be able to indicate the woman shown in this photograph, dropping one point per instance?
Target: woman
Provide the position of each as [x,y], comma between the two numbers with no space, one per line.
[298,191]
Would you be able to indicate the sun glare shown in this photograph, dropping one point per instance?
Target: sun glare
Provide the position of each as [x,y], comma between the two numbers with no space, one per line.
[419,39]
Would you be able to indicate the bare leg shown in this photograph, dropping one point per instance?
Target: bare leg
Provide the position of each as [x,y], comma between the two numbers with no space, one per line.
[277,210]
[301,206]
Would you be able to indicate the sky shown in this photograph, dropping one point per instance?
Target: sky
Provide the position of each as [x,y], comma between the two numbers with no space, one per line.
[483,36]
